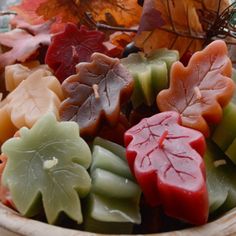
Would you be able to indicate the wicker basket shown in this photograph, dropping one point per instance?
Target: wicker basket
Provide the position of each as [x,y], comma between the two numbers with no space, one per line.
[12,224]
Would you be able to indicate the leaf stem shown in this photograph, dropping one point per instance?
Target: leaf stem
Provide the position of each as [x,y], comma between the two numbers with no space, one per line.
[95,90]
[162,139]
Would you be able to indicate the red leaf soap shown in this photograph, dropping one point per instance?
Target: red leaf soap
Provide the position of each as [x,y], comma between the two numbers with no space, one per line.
[199,91]
[166,159]
[72,46]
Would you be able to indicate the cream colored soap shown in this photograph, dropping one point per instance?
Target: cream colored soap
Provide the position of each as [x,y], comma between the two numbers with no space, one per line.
[34,97]
[16,73]
[34,92]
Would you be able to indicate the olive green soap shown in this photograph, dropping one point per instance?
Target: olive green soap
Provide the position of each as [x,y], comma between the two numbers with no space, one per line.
[149,73]
[221,179]
[114,196]
[47,169]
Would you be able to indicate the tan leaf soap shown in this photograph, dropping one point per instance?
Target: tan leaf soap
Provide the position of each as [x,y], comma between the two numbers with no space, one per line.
[34,97]
[16,73]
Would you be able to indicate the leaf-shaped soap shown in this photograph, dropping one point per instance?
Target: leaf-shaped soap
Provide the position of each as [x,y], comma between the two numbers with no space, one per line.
[166,159]
[113,203]
[119,12]
[38,94]
[23,43]
[16,73]
[221,174]
[224,133]
[95,93]
[199,91]
[72,46]
[150,74]
[46,167]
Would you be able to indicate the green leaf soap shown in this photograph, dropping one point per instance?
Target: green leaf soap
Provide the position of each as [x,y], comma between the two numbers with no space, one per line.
[225,132]
[150,74]
[47,168]
[221,179]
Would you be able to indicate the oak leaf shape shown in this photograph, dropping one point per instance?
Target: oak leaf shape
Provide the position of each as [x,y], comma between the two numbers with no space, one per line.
[38,94]
[27,10]
[166,159]
[72,46]
[95,93]
[23,43]
[118,12]
[46,167]
[112,12]
[199,91]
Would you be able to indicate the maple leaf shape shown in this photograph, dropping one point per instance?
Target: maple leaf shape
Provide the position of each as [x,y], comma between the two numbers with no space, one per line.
[95,93]
[168,24]
[47,166]
[200,90]
[72,46]
[118,12]
[27,10]
[38,94]
[67,10]
[23,43]
[166,161]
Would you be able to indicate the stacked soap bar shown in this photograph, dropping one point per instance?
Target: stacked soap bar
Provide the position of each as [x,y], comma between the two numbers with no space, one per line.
[149,73]
[114,195]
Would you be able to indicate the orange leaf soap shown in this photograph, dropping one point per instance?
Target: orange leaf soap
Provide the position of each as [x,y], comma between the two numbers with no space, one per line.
[7,128]
[40,93]
[199,91]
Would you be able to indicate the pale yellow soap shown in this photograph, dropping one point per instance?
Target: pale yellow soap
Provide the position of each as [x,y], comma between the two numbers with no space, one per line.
[16,73]
[35,96]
